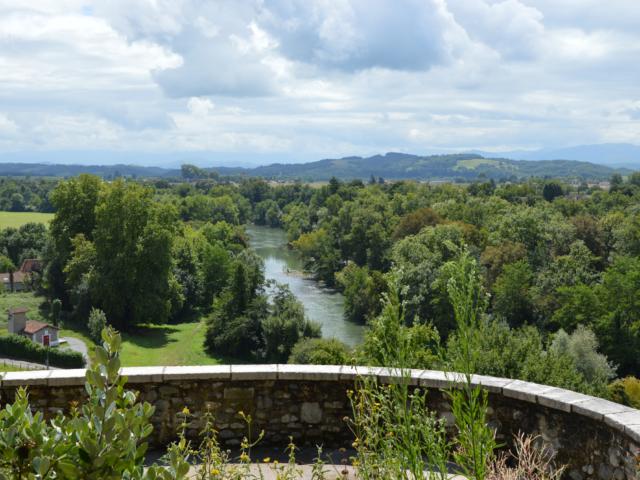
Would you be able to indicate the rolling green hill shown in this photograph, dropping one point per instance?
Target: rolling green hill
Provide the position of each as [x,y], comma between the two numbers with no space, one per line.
[394,166]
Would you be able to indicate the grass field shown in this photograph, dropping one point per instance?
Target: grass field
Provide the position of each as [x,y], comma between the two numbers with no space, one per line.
[9,368]
[180,344]
[16,219]
[474,163]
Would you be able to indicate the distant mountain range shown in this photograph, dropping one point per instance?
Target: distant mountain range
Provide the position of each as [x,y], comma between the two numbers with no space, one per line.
[63,170]
[391,166]
[611,154]
[394,166]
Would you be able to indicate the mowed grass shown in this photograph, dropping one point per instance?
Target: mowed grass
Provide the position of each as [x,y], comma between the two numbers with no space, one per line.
[179,344]
[9,368]
[38,310]
[16,219]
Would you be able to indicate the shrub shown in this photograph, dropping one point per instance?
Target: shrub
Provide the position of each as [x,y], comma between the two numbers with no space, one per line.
[626,391]
[56,307]
[320,351]
[582,347]
[21,348]
[97,322]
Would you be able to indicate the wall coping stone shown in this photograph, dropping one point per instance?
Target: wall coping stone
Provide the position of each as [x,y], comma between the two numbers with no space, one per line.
[199,372]
[619,417]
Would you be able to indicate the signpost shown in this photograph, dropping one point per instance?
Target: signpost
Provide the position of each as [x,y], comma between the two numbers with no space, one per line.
[46,342]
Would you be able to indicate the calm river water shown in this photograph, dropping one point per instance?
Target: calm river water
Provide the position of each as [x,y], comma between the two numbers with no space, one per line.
[285,266]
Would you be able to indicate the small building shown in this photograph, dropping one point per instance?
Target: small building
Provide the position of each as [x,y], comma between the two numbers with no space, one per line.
[21,277]
[38,332]
[19,281]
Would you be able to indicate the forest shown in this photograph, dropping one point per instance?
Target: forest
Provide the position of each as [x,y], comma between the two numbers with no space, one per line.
[558,263]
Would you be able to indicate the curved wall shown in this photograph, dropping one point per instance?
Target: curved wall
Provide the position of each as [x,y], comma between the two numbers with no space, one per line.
[596,438]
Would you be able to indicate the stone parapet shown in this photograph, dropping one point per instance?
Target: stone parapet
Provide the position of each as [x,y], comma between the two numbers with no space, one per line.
[596,438]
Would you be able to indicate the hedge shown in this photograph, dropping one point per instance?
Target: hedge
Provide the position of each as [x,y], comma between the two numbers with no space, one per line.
[21,348]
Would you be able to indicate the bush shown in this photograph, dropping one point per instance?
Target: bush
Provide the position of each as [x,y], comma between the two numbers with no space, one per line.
[320,351]
[21,348]
[582,346]
[56,308]
[97,322]
[626,391]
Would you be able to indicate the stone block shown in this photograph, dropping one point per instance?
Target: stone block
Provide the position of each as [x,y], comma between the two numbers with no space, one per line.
[240,394]
[26,379]
[492,384]
[349,373]
[199,372]
[254,372]
[389,375]
[309,372]
[310,412]
[436,379]
[60,378]
[143,374]
[633,431]
[597,408]
[561,399]
[623,419]
[525,391]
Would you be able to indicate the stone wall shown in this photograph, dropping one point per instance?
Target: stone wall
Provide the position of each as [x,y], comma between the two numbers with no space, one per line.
[596,438]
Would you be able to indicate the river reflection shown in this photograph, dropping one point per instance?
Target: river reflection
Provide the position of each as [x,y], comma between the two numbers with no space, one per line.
[285,266]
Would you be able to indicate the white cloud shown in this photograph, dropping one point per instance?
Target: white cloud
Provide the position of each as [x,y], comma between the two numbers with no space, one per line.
[199,107]
[317,78]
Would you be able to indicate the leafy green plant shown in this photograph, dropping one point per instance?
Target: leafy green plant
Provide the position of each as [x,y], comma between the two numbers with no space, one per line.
[102,439]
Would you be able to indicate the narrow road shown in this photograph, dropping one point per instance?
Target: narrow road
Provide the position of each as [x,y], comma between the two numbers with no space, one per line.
[77,345]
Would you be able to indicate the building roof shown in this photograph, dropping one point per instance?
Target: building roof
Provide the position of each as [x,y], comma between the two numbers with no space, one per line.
[18,310]
[31,264]
[34,326]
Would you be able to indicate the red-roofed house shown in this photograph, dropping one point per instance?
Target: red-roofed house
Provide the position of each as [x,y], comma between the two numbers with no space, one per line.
[39,332]
[21,277]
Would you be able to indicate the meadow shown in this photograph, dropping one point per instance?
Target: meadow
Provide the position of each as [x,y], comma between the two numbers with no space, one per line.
[17,219]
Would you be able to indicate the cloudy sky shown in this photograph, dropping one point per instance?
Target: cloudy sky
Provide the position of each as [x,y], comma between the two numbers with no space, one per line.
[245,80]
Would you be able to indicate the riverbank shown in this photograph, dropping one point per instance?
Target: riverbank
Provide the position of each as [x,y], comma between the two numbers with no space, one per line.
[284,265]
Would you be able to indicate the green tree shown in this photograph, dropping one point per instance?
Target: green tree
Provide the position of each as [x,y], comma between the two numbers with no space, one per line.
[96,324]
[512,297]
[362,292]
[75,202]
[415,221]
[133,243]
[552,190]
[6,265]
[618,328]
[582,347]
[320,351]
[285,326]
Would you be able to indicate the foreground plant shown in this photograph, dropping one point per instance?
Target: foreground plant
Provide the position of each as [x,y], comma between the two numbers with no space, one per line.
[103,439]
[533,461]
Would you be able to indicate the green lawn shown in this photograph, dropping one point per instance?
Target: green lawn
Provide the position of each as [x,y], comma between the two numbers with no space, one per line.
[180,344]
[9,368]
[38,310]
[16,219]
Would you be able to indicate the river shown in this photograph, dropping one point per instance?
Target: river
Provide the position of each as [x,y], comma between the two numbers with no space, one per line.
[285,266]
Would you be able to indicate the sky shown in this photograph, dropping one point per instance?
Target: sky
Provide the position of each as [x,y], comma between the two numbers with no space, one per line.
[251,81]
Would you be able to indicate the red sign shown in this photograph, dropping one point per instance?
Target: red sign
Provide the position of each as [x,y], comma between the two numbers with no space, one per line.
[45,340]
